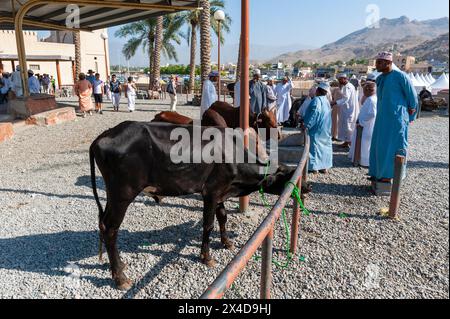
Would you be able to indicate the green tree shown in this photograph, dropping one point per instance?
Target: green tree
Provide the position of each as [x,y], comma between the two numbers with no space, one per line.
[193,19]
[144,34]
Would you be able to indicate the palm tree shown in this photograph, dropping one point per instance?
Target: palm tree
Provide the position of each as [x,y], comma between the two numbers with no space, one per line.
[144,34]
[205,39]
[193,18]
[77,42]
[157,54]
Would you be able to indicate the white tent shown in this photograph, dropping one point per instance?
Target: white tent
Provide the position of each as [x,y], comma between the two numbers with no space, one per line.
[431,79]
[441,84]
[414,80]
[424,80]
[419,81]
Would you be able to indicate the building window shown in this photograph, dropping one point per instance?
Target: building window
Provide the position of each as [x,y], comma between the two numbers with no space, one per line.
[35,67]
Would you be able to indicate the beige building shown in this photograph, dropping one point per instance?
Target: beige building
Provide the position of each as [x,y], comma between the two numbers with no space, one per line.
[408,64]
[404,62]
[45,56]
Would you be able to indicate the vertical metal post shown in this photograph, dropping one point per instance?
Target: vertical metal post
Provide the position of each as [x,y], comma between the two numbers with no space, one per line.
[106,59]
[58,74]
[245,75]
[218,59]
[74,72]
[395,195]
[13,66]
[295,222]
[358,145]
[20,42]
[266,266]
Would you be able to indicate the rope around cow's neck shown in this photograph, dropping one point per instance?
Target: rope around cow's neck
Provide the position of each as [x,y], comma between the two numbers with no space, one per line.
[297,197]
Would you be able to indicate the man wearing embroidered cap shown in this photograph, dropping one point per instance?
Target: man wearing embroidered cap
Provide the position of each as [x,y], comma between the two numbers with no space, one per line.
[396,108]
[348,110]
[318,122]
[209,93]
[258,93]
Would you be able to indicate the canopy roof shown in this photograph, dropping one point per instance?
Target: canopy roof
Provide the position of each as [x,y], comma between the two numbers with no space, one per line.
[94,14]
[441,84]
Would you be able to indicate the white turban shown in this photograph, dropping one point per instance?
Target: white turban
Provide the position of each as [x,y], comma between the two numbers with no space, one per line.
[257,72]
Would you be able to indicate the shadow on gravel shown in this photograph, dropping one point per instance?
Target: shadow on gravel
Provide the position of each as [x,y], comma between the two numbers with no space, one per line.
[31,192]
[342,190]
[350,216]
[49,254]
[424,164]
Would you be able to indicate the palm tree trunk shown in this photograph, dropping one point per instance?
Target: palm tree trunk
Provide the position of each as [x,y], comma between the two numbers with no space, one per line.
[193,53]
[205,41]
[77,42]
[158,48]
[151,52]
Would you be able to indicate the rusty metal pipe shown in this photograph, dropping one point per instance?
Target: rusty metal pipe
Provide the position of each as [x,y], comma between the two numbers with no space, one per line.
[396,187]
[295,222]
[245,90]
[218,288]
[266,266]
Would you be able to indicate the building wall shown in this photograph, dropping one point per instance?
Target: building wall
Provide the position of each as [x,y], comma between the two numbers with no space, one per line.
[92,49]
[404,62]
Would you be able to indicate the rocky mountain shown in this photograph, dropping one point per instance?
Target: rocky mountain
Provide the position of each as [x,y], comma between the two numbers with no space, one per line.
[401,34]
[436,49]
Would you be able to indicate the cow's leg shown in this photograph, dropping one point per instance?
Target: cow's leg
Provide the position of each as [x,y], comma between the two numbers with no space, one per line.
[221,215]
[113,219]
[209,209]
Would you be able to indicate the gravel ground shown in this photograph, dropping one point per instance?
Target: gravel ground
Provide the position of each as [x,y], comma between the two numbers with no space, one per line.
[48,233]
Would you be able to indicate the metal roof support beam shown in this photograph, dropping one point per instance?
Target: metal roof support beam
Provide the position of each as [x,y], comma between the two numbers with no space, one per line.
[29,5]
[43,25]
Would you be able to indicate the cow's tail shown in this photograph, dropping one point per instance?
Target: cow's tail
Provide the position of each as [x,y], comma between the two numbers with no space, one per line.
[97,199]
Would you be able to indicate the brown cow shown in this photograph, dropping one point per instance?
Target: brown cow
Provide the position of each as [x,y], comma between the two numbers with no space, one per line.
[172,118]
[265,120]
[211,118]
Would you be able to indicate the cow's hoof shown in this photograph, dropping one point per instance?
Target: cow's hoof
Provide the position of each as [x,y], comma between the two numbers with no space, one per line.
[210,262]
[228,245]
[124,284]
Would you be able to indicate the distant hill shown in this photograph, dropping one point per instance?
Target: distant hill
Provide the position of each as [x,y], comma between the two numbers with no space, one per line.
[401,34]
[436,49]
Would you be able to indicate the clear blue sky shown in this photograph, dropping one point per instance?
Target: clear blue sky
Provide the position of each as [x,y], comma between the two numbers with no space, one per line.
[287,24]
[316,23]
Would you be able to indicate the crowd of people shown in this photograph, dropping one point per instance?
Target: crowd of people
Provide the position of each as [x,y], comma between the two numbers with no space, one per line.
[90,87]
[275,98]
[382,106]
[11,84]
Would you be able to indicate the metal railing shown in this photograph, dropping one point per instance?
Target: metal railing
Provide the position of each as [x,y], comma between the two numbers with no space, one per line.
[263,236]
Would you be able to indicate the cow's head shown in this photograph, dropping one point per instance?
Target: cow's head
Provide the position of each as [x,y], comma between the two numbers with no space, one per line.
[276,183]
[265,120]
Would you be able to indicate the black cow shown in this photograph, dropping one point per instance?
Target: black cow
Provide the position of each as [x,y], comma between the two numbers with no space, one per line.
[136,156]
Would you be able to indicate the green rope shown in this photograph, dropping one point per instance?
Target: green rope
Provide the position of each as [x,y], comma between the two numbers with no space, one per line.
[297,197]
